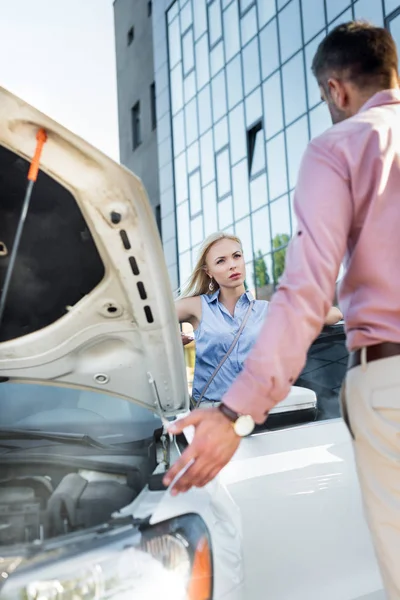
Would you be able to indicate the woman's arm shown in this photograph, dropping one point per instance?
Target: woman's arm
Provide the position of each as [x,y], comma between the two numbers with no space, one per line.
[188,310]
[334,315]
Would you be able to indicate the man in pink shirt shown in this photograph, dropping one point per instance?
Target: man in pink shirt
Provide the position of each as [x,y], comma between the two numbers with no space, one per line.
[347,203]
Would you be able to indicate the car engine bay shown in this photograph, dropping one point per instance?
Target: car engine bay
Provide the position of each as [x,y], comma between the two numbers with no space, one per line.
[43,501]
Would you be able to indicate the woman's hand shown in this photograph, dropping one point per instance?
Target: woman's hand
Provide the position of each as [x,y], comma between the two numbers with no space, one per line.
[334,316]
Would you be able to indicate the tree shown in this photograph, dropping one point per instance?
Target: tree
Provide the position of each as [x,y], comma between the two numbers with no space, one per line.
[279,243]
[261,277]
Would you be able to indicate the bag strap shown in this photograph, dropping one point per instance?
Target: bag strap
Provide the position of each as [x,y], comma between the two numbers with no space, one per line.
[224,358]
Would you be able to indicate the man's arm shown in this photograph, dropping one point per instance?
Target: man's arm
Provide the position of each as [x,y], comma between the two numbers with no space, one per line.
[324,209]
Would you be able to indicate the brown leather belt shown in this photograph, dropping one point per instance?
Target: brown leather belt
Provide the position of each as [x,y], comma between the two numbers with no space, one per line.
[375,352]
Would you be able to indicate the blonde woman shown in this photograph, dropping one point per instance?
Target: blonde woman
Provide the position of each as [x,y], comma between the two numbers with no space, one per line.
[225,317]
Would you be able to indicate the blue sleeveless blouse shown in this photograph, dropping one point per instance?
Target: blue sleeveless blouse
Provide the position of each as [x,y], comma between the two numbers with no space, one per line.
[214,336]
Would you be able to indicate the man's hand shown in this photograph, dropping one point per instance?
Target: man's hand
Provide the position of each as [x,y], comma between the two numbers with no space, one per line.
[214,444]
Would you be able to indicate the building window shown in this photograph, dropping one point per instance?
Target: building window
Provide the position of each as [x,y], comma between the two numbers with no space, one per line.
[149,8]
[157,212]
[136,126]
[255,148]
[153,106]
[131,35]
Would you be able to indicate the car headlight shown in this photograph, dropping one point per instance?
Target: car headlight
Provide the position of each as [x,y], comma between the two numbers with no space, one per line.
[171,560]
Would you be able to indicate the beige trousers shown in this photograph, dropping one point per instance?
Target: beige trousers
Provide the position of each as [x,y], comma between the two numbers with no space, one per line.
[371,396]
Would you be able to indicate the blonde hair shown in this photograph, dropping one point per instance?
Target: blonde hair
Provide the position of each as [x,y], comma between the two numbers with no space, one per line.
[198,282]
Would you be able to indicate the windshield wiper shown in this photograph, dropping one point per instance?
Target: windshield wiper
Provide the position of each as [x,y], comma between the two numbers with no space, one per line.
[63,438]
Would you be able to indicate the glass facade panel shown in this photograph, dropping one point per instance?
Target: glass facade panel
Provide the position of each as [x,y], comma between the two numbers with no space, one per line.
[192,131]
[244,5]
[240,187]
[190,86]
[313,17]
[176,88]
[296,142]
[223,173]
[370,11]
[225,213]
[280,222]
[210,209]
[254,107]
[214,22]
[231,31]
[251,66]
[276,164]
[261,232]
[394,27]
[249,283]
[199,18]
[248,25]
[185,267]
[218,88]
[202,62]
[193,157]
[182,214]
[289,29]
[390,6]
[181,183]
[346,16]
[186,16]
[237,130]
[174,42]
[221,136]
[273,110]
[258,192]
[217,58]
[269,49]
[194,193]
[197,230]
[243,231]
[204,105]
[266,10]
[207,158]
[294,88]
[334,9]
[188,54]
[320,120]
[178,128]
[234,82]
[314,93]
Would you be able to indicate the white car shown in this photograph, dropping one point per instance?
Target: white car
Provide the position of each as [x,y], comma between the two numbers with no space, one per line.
[91,368]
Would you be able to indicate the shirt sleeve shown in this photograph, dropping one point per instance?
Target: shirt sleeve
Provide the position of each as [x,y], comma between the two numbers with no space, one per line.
[296,313]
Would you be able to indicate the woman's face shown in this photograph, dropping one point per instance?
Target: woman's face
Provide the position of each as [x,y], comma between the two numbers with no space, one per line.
[225,263]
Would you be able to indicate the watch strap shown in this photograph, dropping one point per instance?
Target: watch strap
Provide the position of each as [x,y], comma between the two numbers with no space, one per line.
[228,412]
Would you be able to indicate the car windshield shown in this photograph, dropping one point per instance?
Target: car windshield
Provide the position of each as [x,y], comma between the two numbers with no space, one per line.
[108,419]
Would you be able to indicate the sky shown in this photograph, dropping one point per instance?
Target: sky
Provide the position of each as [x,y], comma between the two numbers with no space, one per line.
[59,56]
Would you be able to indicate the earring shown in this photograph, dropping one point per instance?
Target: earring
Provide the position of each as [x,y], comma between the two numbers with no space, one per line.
[211,285]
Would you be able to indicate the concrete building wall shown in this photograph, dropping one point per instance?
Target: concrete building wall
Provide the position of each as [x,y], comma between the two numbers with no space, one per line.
[135,75]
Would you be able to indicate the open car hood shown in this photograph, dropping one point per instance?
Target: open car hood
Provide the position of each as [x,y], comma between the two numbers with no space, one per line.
[90,302]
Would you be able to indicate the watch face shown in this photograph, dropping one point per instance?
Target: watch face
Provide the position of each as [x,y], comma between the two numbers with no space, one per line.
[244,425]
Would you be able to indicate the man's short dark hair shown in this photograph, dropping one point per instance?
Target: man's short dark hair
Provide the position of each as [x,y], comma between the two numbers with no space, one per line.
[359,52]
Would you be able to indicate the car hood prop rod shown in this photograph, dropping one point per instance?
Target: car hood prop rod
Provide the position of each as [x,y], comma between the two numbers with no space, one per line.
[32,177]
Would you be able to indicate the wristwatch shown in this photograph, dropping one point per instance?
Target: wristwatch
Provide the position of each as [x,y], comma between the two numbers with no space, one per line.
[242,424]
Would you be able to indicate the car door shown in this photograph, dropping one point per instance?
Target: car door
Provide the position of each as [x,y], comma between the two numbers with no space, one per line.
[305,536]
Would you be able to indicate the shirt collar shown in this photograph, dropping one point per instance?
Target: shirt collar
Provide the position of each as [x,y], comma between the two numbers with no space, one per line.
[381,98]
[214,297]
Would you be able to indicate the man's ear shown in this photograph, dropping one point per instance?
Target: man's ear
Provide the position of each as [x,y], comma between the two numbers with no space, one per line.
[338,92]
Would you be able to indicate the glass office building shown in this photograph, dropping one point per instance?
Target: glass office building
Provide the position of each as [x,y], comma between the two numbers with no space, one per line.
[236,107]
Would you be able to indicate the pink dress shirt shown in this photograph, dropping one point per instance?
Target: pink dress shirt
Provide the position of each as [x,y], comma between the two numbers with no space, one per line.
[347,203]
